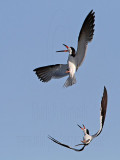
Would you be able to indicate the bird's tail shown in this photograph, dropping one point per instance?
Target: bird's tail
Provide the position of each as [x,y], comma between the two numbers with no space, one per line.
[70,81]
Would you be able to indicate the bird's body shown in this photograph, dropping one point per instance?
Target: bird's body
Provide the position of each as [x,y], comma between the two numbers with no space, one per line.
[87,137]
[72,65]
[71,70]
[75,58]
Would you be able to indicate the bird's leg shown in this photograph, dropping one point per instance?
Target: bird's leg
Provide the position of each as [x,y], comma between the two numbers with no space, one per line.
[67,71]
[85,141]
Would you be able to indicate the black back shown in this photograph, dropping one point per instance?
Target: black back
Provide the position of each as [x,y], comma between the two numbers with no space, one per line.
[87,131]
[73,52]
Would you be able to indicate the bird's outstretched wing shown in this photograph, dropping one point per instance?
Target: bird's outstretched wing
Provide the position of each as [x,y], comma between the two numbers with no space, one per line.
[85,36]
[46,73]
[103,110]
[64,145]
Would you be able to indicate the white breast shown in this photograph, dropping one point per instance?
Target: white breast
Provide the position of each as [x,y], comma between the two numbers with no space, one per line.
[72,65]
[86,137]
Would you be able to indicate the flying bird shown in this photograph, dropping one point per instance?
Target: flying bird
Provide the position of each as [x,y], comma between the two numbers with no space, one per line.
[75,58]
[87,137]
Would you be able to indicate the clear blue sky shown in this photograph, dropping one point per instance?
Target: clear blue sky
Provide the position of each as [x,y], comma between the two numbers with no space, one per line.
[30,33]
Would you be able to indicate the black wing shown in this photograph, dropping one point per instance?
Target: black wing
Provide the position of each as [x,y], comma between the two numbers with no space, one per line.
[103,110]
[64,145]
[46,73]
[85,36]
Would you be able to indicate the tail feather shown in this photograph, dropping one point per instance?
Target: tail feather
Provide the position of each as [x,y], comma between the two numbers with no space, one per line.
[70,81]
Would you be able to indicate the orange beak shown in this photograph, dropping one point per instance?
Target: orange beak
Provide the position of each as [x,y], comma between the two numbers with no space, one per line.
[80,127]
[64,50]
[83,126]
[66,46]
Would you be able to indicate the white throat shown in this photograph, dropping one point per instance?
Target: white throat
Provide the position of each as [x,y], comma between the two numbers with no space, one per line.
[70,51]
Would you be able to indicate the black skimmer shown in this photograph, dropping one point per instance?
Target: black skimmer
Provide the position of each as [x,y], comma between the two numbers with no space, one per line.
[87,137]
[75,58]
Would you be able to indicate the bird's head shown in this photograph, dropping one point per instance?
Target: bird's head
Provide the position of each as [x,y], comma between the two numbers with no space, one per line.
[71,50]
[86,131]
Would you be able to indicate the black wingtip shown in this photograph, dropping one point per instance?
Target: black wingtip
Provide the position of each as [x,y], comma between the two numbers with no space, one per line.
[92,12]
[105,89]
[49,136]
[88,26]
[104,105]
[105,92]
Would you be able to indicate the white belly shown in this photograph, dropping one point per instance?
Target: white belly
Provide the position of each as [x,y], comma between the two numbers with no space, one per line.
[72,68]
[87,137]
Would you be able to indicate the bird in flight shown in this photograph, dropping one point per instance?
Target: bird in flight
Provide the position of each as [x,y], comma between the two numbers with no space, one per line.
[87,137]
[75,58]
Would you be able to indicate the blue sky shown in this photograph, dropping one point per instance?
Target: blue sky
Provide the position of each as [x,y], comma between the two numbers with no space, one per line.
[30,33]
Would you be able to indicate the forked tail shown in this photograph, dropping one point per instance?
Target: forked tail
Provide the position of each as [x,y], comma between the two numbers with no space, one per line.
[70,81]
